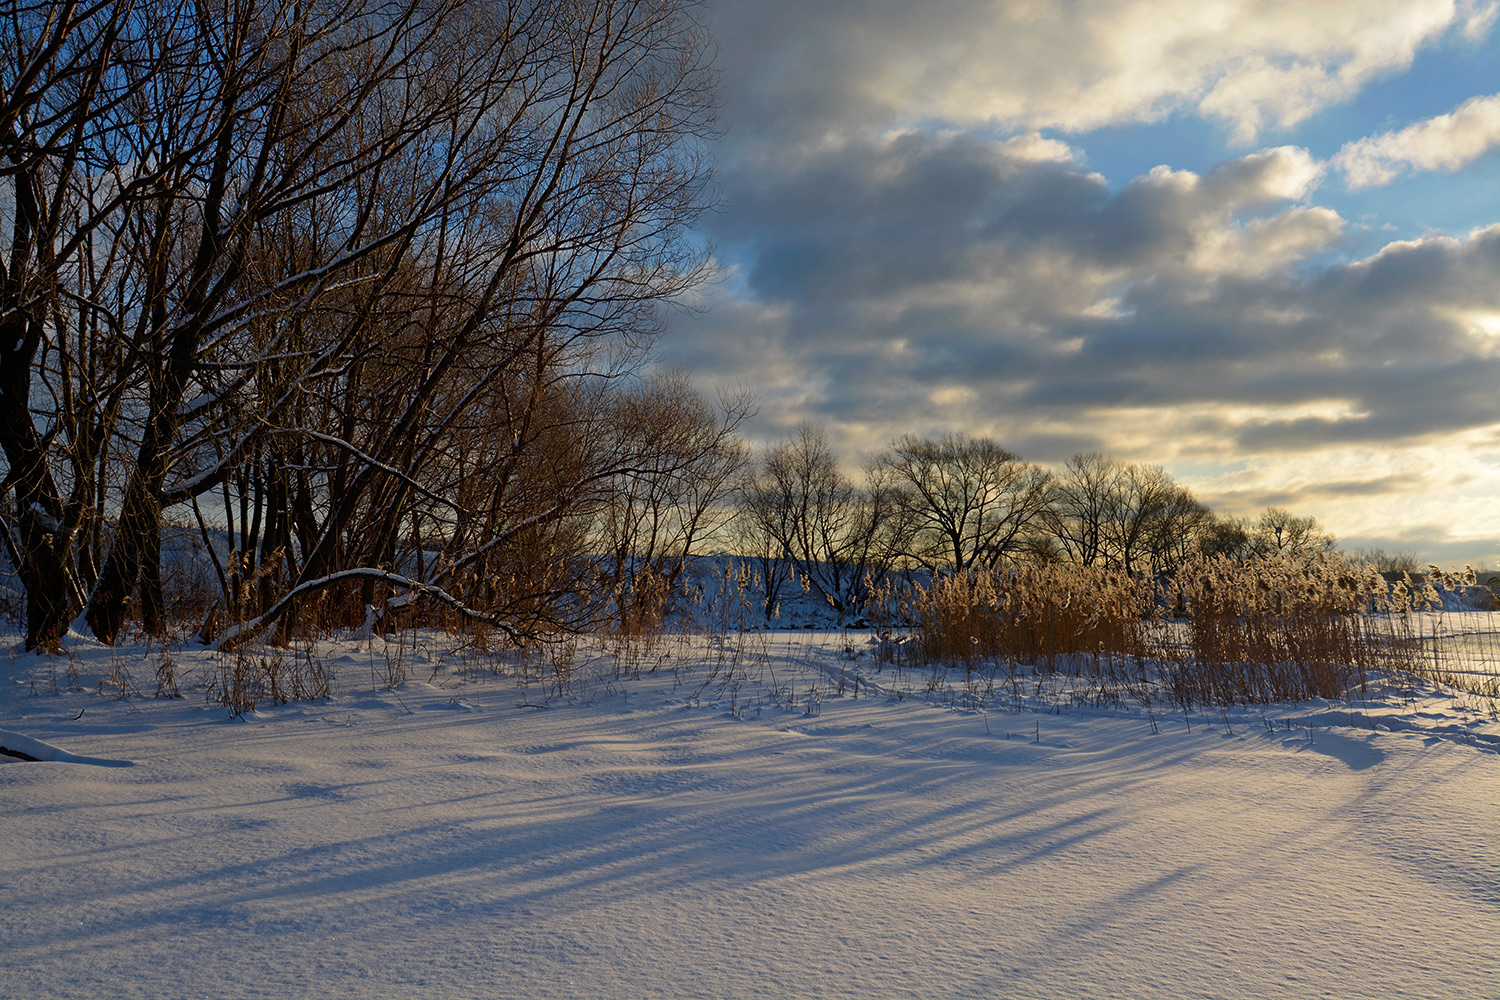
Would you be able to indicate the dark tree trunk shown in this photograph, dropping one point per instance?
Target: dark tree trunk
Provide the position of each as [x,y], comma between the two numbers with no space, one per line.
[140,518]
[38,504]
[153,603]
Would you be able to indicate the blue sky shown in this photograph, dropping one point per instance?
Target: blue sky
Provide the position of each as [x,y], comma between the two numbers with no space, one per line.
[1257,243]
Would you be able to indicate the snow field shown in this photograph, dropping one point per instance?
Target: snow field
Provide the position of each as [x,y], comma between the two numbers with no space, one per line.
[636,838]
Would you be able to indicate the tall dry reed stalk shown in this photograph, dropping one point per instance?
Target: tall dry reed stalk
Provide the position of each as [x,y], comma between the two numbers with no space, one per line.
[1284,628]
[1219,632]
[1053,617]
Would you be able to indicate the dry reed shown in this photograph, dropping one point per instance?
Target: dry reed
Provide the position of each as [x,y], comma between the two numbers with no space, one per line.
[1218,632]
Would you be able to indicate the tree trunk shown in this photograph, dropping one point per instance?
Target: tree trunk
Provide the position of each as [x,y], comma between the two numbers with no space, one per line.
[38,504]
[139,520]
[153,603]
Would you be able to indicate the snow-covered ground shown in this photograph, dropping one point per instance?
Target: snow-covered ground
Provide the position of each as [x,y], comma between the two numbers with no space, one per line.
[732,825]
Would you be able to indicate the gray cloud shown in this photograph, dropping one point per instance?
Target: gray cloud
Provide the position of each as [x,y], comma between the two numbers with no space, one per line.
[801,70]
[1328,490]
[1431,543]
[901,266]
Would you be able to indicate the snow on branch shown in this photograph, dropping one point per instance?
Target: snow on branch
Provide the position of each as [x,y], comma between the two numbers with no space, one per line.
[244,632]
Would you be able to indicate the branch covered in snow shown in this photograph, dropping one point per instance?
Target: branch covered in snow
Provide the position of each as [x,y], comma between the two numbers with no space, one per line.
[244,632]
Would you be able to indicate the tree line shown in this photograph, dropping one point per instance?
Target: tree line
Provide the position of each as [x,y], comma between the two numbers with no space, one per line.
[956,503]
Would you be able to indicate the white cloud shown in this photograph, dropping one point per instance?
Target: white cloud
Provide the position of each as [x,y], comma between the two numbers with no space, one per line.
[1268,246]
[1201,212]
[1447,142]
[1251,64]
[1286,173]
[1033,148]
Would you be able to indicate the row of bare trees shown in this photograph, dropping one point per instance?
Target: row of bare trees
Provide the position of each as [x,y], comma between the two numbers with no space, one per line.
[958,503]
[355,282]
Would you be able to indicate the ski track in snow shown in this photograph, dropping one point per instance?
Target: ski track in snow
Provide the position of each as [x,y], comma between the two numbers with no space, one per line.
[450,840]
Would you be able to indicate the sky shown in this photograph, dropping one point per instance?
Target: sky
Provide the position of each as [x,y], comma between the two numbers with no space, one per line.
[1257,243]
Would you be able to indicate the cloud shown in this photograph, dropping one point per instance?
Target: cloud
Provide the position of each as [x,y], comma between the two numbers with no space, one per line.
[1286,173]
[813,69]
[1303,490]
[937,218]
[1447,142]
[921,281]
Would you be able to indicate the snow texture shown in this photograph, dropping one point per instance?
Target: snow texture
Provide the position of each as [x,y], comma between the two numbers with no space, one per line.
[669,836]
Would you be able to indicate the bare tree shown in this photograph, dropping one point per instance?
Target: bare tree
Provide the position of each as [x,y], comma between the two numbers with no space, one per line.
[1391,565]
[756,544]
[56,69]
[1143,499]
[325,245]
[1228,537]
[678,462]
[1278,531]
[1126,516]
[968,500]
[832,533]
[1177,531]
[1083,501]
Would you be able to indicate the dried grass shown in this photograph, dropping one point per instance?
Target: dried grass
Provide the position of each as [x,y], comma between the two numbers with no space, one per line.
[1221,632]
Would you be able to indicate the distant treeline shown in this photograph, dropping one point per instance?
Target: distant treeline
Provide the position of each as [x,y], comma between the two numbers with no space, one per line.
[954,504]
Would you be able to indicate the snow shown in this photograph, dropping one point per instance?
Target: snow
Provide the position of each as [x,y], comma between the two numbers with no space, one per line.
[21,747]
[685,833]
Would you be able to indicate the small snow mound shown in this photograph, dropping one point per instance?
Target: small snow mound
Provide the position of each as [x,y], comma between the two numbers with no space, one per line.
[15,746]
[1474,598]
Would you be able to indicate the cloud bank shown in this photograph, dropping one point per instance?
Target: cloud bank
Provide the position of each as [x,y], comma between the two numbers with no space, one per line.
[1252,66]
[902,267]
